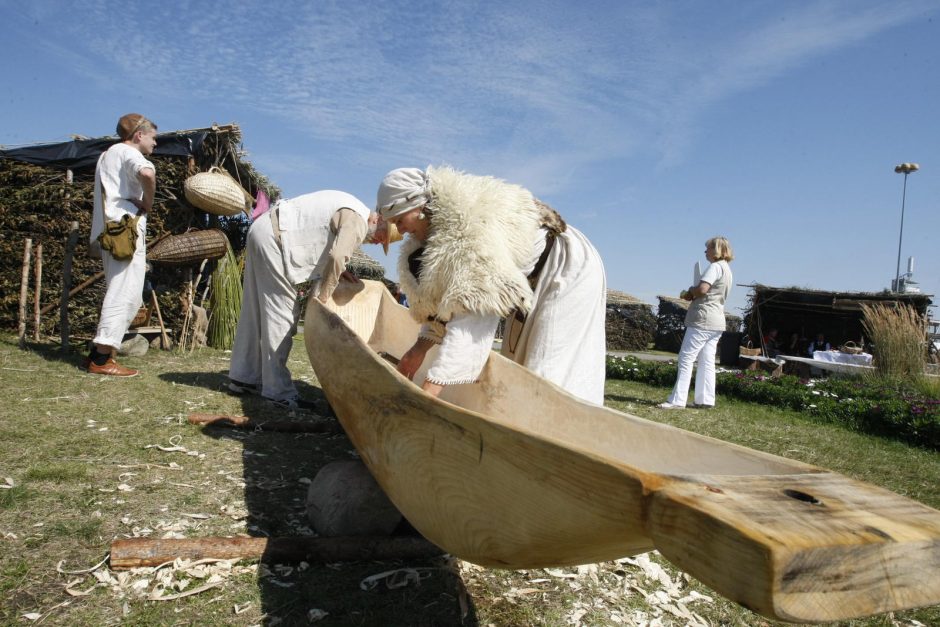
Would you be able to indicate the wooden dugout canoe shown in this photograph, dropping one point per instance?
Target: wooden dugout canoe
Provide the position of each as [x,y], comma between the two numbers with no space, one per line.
[513,472]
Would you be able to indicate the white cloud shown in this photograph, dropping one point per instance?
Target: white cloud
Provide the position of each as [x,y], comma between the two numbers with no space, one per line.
[537,89]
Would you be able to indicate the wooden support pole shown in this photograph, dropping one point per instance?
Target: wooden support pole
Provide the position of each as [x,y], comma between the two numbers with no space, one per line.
[149,552]
[244,422]
[67,283]
[185,306]
[37,293]
[164,339]
[24,290]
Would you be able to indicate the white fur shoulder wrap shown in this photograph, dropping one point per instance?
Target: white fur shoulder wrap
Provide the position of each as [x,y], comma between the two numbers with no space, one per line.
[480,241]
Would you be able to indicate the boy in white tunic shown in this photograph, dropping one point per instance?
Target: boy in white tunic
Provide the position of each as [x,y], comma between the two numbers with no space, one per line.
[307,238]
[125,182]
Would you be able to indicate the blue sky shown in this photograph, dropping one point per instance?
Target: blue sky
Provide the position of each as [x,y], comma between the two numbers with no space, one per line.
[650,126]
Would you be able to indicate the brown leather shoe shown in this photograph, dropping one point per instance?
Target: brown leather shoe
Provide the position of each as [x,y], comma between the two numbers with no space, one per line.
[112,368]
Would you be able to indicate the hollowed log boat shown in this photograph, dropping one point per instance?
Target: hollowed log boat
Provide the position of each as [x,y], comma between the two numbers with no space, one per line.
[514,472]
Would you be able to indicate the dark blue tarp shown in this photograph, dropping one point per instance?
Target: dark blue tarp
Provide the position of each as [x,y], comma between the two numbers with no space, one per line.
[82,153]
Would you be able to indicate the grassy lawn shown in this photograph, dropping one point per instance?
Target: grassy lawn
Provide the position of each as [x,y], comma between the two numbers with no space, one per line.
[87,459]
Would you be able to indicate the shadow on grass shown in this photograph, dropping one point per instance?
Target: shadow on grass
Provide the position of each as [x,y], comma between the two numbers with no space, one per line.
[617,398]
[53,352]
[277,470]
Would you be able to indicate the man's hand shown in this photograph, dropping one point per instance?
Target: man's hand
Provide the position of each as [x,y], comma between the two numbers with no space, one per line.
[141,209]
[412,360]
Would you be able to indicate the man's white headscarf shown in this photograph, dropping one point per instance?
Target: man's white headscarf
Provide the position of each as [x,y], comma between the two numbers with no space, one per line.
[401,191]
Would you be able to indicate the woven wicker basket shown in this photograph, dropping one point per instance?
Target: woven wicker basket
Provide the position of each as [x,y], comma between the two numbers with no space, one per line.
[217,192]
[189,248]
[851,348]
[749,350]
[142,318]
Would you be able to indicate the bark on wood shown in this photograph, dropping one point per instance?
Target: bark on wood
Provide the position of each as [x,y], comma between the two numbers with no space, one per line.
[244,422]
[24,290]
[67,284]
[148,552]
[186,306]
[37,295]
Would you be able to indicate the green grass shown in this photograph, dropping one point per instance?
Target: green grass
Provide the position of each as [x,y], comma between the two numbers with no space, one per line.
[69,441]
[57,472]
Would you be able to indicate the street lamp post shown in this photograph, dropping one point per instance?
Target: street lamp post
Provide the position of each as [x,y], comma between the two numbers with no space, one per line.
[905,169]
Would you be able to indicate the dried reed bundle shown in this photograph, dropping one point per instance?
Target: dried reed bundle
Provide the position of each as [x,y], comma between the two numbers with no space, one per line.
[899,338]
[225,301]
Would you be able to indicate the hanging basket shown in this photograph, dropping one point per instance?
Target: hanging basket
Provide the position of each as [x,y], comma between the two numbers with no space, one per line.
[189,248]
[217,192]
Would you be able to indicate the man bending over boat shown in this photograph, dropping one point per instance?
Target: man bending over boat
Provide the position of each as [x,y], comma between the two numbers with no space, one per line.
[481,249]
[307,238]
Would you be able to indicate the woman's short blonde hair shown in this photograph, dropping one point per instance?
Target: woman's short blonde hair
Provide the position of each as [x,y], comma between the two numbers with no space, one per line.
[722,248]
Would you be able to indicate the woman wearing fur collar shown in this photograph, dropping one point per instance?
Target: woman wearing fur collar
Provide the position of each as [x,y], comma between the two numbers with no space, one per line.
[480,249]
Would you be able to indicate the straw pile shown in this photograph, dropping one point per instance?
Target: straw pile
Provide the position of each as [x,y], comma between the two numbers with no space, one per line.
[899,340]
[630,324]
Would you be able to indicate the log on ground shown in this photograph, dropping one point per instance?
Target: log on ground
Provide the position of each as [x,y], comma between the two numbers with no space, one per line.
[149,552]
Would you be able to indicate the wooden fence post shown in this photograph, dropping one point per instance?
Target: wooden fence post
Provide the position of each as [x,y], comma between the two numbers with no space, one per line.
[37,294]
[67,285]
[24,290]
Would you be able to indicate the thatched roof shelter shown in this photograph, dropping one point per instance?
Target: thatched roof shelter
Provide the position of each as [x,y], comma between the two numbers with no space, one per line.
[46,187]
[807,312]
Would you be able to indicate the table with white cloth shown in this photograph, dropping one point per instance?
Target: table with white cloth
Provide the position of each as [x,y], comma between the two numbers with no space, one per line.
[838,357]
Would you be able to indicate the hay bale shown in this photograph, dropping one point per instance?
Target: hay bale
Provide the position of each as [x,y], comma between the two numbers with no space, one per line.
[630,323]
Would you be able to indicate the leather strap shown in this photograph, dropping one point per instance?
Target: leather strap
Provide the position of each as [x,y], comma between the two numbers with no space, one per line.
[537,270]
[516,320]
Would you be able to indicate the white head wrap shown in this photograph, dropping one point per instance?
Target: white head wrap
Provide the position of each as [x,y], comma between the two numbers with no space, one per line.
[401,191]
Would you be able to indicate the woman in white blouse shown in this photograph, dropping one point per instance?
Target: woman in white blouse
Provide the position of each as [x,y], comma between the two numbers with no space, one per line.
[704,324]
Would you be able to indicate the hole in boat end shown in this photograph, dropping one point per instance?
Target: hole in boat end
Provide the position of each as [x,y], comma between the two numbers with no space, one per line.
[802,496]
